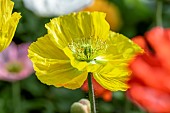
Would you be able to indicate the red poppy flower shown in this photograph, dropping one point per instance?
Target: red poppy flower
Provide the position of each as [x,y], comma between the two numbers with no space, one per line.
[98,90]
[150,83]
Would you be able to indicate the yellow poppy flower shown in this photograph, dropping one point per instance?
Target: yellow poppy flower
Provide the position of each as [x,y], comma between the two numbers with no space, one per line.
[8,23]
[79,43]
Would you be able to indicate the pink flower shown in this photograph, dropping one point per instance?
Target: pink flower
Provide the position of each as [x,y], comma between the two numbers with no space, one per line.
[150,83]
[14,63]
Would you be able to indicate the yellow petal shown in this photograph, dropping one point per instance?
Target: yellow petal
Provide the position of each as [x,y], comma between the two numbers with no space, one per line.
[114,75]
[121,47]
[119,52]
[113,78]
[77,82]
[78,26]
[45,48]
[8,23]
[51,64]
[58,75]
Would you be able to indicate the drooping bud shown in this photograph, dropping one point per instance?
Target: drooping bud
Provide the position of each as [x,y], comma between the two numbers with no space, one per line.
[83,106]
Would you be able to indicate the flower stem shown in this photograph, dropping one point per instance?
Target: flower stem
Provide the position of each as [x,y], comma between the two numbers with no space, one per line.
[16,97]
[91,93]
[159,12]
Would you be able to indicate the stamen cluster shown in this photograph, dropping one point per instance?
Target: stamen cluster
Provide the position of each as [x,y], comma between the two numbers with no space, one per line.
[87,49]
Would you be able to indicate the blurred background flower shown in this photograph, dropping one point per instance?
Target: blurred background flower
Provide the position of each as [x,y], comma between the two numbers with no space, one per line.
[14,63]
[150,86]
[113,16]
[51,8]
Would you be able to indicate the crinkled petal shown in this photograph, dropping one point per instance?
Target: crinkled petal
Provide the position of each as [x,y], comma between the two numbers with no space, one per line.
[114,75]
[77,82]
[8,23]
[121,47]
[44,48]
[78,26]
[6,7]
[58,74]
[112,78]
[51,64]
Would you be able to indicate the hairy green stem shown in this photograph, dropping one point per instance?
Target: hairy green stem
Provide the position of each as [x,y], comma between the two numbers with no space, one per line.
[91,93]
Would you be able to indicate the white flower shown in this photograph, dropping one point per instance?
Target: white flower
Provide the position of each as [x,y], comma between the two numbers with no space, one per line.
[50,8]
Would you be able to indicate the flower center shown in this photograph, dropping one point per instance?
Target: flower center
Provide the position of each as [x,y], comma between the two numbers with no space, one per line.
[14,67]
[87,49]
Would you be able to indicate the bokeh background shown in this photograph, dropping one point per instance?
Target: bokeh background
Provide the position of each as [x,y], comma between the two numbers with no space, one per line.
[128,17]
